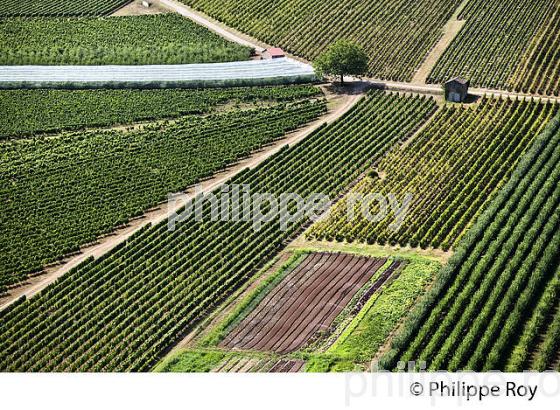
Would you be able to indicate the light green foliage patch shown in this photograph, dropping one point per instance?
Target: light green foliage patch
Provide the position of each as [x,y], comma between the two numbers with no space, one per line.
[137,40]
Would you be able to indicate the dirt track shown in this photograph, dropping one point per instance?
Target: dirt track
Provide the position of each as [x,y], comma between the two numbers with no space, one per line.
[450,31]
[214,26]
[306,301]
[416,86]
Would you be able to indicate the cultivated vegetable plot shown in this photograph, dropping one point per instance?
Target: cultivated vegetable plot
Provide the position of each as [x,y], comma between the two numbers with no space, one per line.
[492,44]
[450,170]
[382,313]
[348,343]
[238,364]
[498,292]
[137,40]
[307,300]
[61,8]
[122,311]
[397,35]
[539,72]
[62,192]
[26,112]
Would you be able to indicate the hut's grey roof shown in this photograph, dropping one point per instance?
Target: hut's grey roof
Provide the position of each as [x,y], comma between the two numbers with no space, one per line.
[458,80]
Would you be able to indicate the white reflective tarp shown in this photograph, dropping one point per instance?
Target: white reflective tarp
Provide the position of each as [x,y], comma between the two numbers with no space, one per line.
[240,70]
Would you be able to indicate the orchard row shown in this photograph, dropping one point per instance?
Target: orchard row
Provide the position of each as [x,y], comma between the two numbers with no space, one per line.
[499,292]
[450,169]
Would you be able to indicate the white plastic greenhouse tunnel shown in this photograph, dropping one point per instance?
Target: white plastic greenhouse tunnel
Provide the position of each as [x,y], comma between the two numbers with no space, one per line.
[277,71]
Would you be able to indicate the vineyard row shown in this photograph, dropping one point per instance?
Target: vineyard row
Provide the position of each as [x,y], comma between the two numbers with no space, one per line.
[122,311]
[490,303]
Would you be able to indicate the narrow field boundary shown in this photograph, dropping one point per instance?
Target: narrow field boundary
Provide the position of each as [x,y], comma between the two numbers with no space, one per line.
[437,90]
[420,130]
[450,31]
[374,251]
[507,94]
[340,103]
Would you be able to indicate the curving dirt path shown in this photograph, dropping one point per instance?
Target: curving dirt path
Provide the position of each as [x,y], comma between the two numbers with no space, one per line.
[417,86]
[338,102]
[213,25]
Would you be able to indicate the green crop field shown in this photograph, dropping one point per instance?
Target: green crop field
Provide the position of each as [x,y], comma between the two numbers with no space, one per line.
[450,169]
[252,186]
[505,45]
[61,8]
[30,112]
[361,327]
[156,39]
[64,191]
[396,37]
[168,280]
[496,295]
[539,71]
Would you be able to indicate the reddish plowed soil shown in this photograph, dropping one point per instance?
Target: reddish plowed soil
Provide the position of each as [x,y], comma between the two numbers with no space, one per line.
[287,366]
[306,301]
[389,273]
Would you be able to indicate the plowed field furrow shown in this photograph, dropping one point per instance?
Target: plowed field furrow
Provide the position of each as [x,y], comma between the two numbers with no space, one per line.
[273,307]
[315,321]
[297,366]
[313,291]
[394,267]
[307,300]
[239,366]
[278,294]
[220,367]
[287,366]
[230,364]
[248,365]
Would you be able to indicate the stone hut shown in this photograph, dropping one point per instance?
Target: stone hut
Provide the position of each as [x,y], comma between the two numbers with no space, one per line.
[456,90]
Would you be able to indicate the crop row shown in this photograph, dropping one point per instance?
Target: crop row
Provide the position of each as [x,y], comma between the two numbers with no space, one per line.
[59,8]
[482,310]
[491,46]
[450,170]
[122,311]
[396,34]
[62,192]
[134,40]
[538,346]
[539,72]
[27,112]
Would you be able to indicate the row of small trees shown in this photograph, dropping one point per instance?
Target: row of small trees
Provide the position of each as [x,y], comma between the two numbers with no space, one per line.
[483,312]
[469,152]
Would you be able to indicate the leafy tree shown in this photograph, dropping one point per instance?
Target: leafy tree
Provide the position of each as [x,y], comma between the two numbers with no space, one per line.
[342,58]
